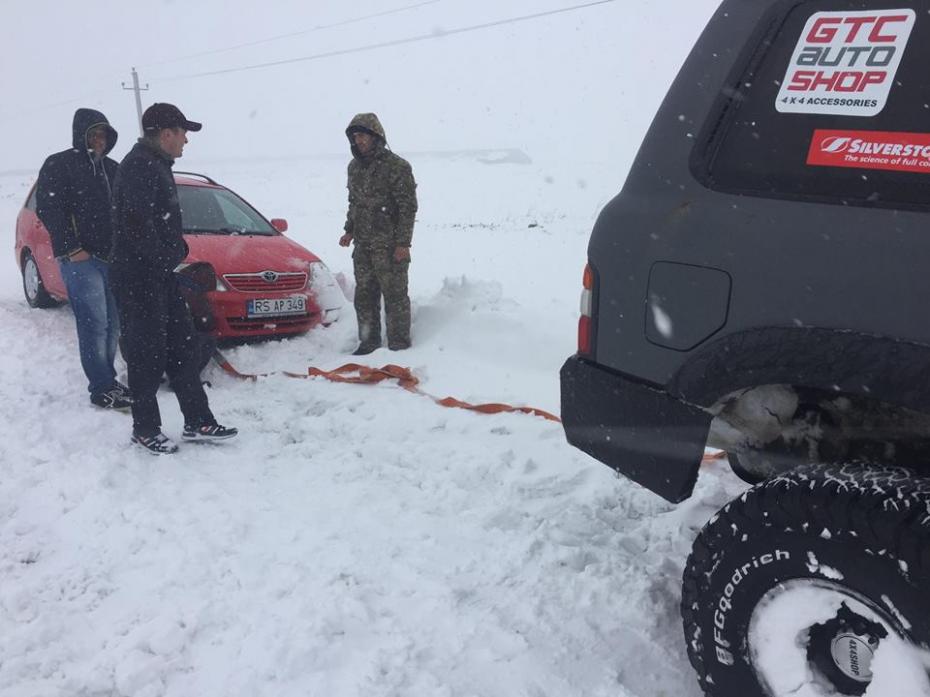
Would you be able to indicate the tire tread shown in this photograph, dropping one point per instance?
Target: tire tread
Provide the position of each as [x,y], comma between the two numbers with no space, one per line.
[886,508]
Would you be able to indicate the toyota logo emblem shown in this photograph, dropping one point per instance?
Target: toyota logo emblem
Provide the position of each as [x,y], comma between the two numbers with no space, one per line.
[269,276]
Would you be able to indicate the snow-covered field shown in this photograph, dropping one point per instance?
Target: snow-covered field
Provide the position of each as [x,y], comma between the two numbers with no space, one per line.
[354,540]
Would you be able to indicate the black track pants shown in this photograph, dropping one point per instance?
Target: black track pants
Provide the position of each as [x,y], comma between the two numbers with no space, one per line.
[158,338]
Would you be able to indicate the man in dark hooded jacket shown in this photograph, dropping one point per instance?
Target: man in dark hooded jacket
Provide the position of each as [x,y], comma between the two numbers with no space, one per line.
[148,244]
[382,209]
[73,202]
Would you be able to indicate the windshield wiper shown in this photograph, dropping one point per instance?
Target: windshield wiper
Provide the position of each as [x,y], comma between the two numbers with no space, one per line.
[224,231]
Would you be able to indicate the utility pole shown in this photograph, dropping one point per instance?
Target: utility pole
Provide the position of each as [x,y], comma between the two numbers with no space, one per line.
[135,88]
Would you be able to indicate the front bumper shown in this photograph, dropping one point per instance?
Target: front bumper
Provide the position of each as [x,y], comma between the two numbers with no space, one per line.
[230,320]
[641,431]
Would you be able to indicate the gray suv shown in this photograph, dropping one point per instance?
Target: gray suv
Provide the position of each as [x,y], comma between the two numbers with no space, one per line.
[761,285]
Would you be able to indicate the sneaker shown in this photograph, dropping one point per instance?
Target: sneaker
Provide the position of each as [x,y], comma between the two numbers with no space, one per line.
[365,349]
[209,432]
[114,398]
[158,444]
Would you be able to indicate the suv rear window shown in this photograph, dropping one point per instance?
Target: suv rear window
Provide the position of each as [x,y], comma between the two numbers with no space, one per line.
[832,103]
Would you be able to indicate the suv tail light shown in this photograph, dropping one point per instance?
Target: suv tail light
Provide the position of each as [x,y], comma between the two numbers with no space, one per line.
[586,321]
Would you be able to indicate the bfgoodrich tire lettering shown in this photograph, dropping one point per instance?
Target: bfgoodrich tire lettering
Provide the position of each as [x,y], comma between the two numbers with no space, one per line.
[862,529]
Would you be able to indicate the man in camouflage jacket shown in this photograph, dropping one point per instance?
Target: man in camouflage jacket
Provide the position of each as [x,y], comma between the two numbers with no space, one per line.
[382,207]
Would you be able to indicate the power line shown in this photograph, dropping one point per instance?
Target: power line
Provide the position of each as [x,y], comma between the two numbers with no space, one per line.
[395,42]
[370,47]
[319,27]
[9,116]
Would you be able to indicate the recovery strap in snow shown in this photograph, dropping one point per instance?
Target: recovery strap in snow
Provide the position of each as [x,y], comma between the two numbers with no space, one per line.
[357,374]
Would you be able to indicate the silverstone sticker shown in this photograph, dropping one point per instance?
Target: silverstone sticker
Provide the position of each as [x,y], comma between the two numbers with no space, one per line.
[900,152]
[845,63]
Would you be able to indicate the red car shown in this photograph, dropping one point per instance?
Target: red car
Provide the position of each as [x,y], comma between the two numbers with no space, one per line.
[243,277]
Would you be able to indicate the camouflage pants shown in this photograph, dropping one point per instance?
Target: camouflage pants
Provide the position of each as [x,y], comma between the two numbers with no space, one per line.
[377,274]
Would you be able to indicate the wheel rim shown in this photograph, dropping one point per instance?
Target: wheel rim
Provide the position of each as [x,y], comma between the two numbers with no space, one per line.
[31,280]
[852,654]
[843,649]
[824,629]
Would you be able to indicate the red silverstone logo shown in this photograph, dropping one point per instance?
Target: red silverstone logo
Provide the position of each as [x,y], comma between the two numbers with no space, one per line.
[845,63]
[899,152]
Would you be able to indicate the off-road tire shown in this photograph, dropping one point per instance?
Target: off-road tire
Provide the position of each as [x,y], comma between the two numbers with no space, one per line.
[869,523]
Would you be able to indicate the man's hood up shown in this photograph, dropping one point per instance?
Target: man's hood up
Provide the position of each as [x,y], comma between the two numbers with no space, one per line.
[367,123]
[86,119]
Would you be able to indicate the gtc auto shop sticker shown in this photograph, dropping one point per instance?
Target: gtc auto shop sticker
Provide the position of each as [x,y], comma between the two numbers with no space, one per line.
[901,152]
[845,63]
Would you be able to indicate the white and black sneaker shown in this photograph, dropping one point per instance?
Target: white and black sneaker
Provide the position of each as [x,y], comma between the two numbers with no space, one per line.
[208,432]
[113,398]
[157,444]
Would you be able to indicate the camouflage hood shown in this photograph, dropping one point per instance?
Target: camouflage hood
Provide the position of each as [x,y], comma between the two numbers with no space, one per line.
[367,123]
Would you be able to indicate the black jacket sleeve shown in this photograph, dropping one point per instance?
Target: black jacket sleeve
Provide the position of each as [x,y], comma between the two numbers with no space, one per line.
[54,194]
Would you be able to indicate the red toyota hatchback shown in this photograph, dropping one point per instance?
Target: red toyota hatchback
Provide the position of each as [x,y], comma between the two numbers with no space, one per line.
[243,277]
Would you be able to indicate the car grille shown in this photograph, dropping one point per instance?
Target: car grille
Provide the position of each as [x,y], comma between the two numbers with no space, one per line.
[260,283]
[253,323]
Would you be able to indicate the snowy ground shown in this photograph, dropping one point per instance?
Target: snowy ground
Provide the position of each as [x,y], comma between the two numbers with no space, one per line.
[354,540]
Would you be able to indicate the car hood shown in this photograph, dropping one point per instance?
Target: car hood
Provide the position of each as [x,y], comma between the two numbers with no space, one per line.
[248,253]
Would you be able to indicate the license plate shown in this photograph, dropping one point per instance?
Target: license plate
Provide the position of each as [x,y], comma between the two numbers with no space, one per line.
[271,307]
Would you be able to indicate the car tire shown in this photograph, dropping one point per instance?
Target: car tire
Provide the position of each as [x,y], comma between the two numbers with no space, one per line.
[856,534]
[740,469]
[33,287]
[754,466]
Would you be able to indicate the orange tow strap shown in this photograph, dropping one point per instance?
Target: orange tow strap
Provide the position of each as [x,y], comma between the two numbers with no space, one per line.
[357,374]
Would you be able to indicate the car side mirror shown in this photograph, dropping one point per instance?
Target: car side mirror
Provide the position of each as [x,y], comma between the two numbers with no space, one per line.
[279,224]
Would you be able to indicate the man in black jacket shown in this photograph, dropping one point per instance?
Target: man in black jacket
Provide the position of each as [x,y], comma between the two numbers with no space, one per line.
[159,336]
[73,202]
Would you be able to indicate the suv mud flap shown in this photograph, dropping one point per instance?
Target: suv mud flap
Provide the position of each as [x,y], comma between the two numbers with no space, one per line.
[638,430]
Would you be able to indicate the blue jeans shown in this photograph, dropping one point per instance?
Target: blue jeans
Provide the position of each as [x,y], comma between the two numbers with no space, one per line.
[97,321]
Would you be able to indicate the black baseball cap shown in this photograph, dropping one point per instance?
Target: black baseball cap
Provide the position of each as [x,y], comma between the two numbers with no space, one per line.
[161,115]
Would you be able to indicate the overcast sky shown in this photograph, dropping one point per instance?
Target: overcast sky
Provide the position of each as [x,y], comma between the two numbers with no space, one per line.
[568,84]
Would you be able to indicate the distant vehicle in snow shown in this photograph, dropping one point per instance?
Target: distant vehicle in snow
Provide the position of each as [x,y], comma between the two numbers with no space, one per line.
[243,277]
[761,285]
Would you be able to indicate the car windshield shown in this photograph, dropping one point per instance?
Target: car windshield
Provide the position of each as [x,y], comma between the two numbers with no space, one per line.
[209,210]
